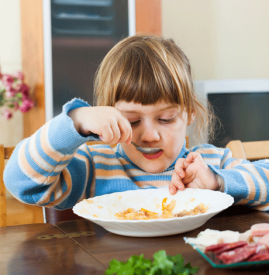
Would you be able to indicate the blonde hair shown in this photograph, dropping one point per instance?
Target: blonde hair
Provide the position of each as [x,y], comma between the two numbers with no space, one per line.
[146,69]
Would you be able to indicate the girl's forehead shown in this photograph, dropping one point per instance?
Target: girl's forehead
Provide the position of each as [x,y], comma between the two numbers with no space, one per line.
[138,108]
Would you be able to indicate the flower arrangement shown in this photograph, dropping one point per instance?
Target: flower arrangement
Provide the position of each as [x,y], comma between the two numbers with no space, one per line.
[14,95]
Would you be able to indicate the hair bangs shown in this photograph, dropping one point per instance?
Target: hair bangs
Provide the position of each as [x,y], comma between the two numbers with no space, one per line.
[146,80]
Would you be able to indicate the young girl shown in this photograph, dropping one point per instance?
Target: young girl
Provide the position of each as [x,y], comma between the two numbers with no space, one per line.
[144,94]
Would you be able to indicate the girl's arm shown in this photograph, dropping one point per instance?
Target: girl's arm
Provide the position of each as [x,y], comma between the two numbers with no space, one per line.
[247,182]
[53,167]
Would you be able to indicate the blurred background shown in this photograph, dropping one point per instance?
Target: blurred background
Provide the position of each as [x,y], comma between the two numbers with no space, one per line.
[223,40]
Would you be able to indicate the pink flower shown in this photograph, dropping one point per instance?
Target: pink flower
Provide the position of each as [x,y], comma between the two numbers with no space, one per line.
[10,92]
[7,80]
[24,89]
[19,75]
[27,105]
[7,114]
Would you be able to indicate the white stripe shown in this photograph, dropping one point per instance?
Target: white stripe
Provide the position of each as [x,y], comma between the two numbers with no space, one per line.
[107,161]
[212,161]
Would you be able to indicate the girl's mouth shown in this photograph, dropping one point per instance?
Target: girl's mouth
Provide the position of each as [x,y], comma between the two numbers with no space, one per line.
[154,155]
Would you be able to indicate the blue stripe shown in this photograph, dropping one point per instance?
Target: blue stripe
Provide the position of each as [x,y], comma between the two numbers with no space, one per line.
[211,156]
[107,166]
[151,178]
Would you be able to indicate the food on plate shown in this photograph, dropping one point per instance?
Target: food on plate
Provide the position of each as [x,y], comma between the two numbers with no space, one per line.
[239,254]
[228,247]
[214,237]
[222,247]
[162,264]
[264,239]
[259,229]
[144,214]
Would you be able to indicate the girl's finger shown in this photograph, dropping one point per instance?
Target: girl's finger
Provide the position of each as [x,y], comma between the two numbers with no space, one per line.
[116,132]
[172,189]
[125,130]
[107,134]
[176,183]
[192,157]
[180,167]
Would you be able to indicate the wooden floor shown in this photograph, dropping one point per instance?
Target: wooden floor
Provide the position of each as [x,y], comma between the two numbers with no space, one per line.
[20,213]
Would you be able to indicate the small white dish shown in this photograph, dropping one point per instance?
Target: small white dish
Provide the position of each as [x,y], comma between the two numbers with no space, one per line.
[102,209]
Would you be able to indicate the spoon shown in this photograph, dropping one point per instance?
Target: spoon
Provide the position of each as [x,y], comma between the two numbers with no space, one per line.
[146,150]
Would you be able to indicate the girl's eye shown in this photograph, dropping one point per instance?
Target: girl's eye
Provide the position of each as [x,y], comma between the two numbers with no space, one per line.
[134,123]
[166,120]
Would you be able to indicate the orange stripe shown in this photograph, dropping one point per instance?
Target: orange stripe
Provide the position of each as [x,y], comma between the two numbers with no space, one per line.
[109,173]
[209,151]
[250,184]
[107,151]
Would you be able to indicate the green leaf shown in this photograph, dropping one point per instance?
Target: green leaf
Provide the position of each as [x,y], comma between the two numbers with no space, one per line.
[114,267]
[161,265]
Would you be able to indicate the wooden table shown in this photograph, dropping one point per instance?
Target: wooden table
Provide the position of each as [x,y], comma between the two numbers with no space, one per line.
[42,249]
[87,248]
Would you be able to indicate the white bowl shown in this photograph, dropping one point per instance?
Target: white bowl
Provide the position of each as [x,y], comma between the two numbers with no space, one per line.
[102,209]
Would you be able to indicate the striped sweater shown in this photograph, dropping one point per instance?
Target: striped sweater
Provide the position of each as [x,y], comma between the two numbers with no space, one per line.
[56,168]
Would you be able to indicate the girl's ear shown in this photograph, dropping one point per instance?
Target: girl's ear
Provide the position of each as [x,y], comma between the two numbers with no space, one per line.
[191,118]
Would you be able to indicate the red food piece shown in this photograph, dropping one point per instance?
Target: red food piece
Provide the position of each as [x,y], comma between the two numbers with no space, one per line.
[259,229]
[262,255]
[238,254]
[215,247]
[219,248]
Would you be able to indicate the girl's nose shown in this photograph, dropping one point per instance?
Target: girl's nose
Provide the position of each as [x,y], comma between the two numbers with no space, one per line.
[150,133]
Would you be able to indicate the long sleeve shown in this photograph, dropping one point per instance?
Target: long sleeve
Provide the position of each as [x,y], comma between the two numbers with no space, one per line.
[48,169]
[247,182]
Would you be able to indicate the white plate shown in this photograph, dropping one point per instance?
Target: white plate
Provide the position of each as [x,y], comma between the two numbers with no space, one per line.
[102,209]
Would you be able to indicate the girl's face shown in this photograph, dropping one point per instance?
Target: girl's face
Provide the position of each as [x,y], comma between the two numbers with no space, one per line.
[159,125]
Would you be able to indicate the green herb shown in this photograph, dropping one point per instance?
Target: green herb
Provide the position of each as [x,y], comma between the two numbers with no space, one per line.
[161,265]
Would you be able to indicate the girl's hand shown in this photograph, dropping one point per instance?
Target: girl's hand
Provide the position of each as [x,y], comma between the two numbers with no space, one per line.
[106,122]
[192,172]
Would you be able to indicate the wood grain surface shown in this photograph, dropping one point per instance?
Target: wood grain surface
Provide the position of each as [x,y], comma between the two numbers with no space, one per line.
[23,251]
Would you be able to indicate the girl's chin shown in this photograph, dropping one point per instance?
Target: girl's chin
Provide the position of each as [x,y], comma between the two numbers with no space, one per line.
[153,167]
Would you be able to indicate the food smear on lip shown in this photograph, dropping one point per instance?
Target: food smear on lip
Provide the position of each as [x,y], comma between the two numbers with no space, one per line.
[153,155]
[144,214]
